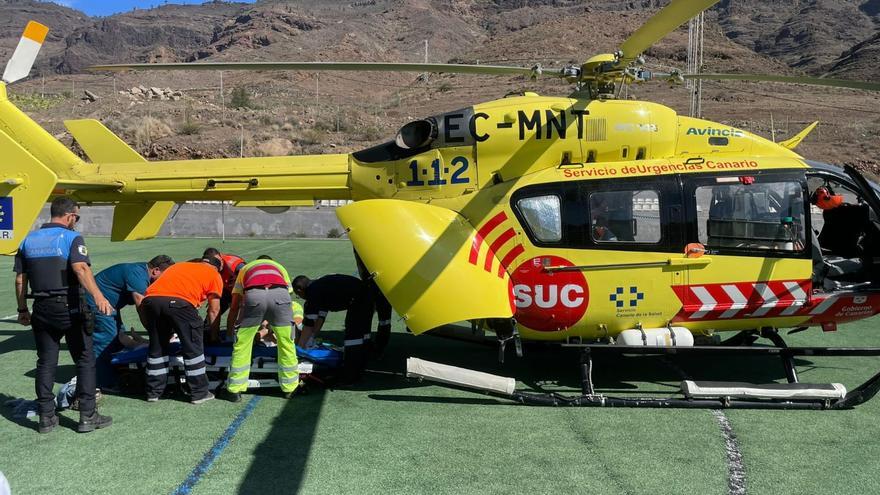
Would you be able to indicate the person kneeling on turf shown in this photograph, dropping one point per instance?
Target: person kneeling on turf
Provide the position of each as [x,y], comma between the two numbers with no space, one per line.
[122,284]
[261,292]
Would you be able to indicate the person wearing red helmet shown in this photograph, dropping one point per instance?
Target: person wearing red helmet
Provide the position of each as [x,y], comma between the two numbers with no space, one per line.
[825,199]
[231,265]
[844,223]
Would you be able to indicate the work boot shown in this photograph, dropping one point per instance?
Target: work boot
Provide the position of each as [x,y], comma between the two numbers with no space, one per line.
[99,397]
[92,421]
[202,400]
[230,396]
[299,390]
[47,423]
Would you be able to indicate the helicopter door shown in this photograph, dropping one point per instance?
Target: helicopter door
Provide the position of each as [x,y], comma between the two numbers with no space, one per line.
[759,261]
[422,257]
[871,241]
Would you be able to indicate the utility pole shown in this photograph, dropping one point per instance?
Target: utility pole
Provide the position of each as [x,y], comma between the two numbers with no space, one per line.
[695,63]
[222,98]
[223,222]
[772,128]
[425,74]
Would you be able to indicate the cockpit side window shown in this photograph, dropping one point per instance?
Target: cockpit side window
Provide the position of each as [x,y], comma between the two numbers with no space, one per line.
[543,216]
[744,215]
[631,216]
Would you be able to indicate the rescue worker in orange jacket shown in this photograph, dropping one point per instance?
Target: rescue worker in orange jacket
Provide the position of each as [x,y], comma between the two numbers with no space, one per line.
[231,265]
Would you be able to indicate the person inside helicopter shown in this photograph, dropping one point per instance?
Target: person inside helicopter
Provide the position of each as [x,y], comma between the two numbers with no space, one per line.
[847,235]
[601,231]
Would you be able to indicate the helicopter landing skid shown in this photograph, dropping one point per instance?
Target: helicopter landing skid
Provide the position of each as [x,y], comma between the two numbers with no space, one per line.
[733,395]
[696,395]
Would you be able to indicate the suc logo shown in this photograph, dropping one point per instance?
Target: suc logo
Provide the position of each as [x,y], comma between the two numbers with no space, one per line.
[549,301]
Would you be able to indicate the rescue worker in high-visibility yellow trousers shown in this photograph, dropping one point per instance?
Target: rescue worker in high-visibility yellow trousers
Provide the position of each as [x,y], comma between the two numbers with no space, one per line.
[261,292]
[267,338]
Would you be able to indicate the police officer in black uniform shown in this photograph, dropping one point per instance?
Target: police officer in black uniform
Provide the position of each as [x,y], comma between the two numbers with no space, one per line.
[338,293]
[54,261]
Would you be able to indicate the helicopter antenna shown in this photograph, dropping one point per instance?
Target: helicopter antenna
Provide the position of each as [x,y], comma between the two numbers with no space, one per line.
[695,63]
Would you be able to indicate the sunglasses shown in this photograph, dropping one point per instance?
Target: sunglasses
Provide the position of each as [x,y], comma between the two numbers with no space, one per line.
[75,216]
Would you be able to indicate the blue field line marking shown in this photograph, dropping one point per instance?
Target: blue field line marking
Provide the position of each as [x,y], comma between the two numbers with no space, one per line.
[211,455]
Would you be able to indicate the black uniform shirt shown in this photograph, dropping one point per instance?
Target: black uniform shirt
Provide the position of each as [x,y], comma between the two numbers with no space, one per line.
[330,293]
[46,256]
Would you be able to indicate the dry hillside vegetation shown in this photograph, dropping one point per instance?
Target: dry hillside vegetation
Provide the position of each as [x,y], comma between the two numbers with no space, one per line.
[276,113]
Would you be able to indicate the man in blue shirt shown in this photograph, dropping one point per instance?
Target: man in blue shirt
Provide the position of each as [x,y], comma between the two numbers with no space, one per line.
[123,285]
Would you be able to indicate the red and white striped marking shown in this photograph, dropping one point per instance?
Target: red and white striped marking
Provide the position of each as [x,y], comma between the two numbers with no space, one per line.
[772,299]
[742,300]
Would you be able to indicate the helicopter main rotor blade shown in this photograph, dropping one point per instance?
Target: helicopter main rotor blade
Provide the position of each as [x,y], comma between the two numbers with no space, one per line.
[812,81]
[664,22]
[340,66]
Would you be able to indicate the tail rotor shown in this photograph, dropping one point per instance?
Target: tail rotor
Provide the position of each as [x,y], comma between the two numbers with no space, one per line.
[19,66]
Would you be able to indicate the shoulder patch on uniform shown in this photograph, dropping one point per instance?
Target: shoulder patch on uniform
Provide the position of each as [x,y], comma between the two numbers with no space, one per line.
[83,250]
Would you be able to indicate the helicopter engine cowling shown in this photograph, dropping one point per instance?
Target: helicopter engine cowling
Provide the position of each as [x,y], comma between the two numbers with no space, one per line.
[417,134]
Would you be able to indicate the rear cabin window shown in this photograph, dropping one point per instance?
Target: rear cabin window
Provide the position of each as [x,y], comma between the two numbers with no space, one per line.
[543,216]
[631,216]
[768,215]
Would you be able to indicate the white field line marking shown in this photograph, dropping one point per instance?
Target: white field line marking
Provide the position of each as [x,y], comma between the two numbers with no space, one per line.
[264,249]
[736,473]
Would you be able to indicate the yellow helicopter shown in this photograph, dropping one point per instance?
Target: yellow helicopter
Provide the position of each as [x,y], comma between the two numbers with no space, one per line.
[572,220]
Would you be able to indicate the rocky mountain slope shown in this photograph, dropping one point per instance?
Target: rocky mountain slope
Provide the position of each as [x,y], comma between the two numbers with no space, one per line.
[296,112]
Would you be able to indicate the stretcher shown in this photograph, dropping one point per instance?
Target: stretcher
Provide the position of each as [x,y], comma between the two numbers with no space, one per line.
[130,365]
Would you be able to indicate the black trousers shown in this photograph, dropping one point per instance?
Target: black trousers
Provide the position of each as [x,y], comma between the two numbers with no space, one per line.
[382,306]
[52,319]
[383,311]
[165,316]
[358,320]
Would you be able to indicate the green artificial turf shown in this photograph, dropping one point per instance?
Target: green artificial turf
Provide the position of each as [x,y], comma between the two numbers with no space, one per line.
[393,435]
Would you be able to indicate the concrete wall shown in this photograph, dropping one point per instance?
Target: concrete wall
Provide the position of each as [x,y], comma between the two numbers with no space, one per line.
[207,220]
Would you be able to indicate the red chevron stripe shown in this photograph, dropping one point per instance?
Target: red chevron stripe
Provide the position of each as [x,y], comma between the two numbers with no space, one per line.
[784,298]
[504,237]
[508,259]
[482,233]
